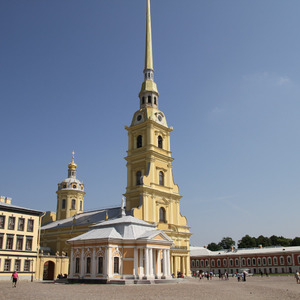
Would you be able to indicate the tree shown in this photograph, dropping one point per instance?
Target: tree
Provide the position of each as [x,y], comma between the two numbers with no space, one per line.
[295,241]
[264,241]
[226,243]
[247,242]
[213,247]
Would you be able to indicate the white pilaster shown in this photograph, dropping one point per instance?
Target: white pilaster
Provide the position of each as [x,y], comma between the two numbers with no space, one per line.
[165,263]
[82,263]
[168,263]
[109,262]
[72,265]
[151,262]
[94,263]
[141,263]
[146,263]
[158,264]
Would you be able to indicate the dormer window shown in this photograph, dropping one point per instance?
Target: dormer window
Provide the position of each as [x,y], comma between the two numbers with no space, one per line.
[139,141]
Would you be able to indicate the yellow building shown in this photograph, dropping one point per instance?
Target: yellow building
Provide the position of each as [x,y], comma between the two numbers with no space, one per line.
[19,240]
[151,193]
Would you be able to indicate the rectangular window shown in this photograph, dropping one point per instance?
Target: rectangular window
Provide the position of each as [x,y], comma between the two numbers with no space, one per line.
[21,224]
[11,223]
[73,204]
[28,243]
[2,222]
[30,225]
[7,263]
[116,265]
[9,242]
[27,265]
[1,241]
[100,265]
[17,265]
[88,265]
[19,245]
[77,265]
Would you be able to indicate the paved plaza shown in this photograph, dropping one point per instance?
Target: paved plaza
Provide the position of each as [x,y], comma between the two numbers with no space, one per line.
[277,287]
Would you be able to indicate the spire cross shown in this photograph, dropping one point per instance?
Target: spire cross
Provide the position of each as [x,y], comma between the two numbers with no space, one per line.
[73,153]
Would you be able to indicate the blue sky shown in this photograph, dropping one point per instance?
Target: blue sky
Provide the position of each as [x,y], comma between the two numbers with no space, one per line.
[228,73]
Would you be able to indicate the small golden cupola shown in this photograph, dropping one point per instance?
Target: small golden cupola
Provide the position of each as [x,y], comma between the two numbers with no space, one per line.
[70,194]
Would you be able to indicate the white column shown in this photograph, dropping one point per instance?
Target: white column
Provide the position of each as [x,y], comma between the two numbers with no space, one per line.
[158,264]
[146,263]
[94,263]
[151,262]
[165,263]
[82,263]
[105,260]
[154,263]
[136,263]
[109,262]
[71,263]
[141,264]
[168,263]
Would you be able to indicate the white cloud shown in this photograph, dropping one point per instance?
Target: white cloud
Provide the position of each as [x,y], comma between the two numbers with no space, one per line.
[266,78]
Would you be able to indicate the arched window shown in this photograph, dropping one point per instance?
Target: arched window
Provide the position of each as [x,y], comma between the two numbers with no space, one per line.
[73,204]
[77,265]
[281,260]
[63,204]
[289,260]
[212,263]
[161,178]
[201,263]
[197,263]
[206,263]
[193,264]
[160,142]
[139,141]
[231,262]
[259,261]
[264,261]
[162,215]
[219,263]
[253,261]
[88,265]
[116,265]
[224,262]
[269,261]
[275,260]
[237,262]
[243,262]
[249,261]
[138,177]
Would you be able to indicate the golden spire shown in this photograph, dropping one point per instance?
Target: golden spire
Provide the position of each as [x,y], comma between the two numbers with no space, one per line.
[148,48]
[148,85]
[72,164]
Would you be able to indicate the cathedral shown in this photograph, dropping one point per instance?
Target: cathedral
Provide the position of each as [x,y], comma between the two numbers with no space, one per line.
[151,194]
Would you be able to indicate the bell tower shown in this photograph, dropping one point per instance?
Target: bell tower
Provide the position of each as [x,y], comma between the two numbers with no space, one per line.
[70,194]
[151,193]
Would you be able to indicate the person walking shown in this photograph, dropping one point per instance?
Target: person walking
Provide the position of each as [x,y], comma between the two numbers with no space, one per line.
[297,276]
[14,277]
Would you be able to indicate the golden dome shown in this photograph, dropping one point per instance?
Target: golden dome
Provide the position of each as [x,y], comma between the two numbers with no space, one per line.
[72,164]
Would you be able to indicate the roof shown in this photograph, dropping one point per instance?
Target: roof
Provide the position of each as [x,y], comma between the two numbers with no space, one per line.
[85,218]
[14,208]
[124,228]
[201,251]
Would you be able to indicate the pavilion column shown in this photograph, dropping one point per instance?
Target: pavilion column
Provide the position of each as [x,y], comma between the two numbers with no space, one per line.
[165,263]
[182,265]
[82,264]
[93,263]
[168,263]
[175,266]
[158,264]
[154,263]
[109,262]
[141,264]
[146,272]
[72,265]
[151,262]
[136,263]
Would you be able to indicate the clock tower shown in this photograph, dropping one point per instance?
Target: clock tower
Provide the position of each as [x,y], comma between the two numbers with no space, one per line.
[151,193]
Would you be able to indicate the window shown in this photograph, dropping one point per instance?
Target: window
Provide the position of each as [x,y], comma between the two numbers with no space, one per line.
[193,264]
[30,225]
[224,262]
[27,265]
[160,142]
[269,261]
[100,265]
[28,243]
[139,141]
[264,261]
[237,262]
[259,261]
[9,242]
[149,99]
[212,263]
[63,204]
[201,263]
[19,243]
[73,204]
[231,262]
[249,261]
[219,263]
[2,222]
[77,265]
[7,263]
[143,100]
[11,223]
[253,261]
[116,265]
[17,265]
[21,224]
[275,260]
[155,100]
[88,265]
[161,178]
[80,205]
[1,241]
[74,186]
[298,259]
[197,263]
[138,177]
[162,215]
[243,262]
[289,260]
[206,263]
[281,260]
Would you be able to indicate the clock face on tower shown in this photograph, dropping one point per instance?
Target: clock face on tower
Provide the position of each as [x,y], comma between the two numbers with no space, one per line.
[160,118]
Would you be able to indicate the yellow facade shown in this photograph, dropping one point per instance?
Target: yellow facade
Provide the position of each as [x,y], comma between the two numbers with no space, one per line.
[19,240]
